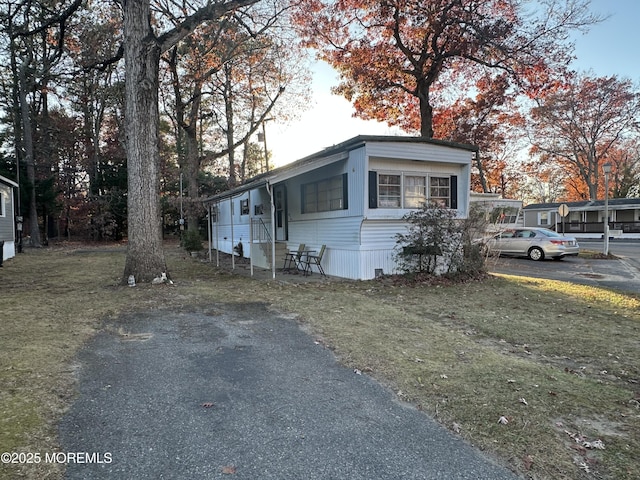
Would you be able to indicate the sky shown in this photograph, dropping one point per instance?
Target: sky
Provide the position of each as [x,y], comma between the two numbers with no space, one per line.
[610,48]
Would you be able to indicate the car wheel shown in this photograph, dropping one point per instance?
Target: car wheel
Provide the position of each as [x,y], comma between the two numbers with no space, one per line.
[536,254]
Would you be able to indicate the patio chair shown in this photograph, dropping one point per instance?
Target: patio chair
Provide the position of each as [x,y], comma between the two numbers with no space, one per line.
[292,259]
[315,260]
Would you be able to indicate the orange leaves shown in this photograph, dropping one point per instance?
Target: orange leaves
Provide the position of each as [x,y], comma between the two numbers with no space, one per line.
[580,125]
[391,55]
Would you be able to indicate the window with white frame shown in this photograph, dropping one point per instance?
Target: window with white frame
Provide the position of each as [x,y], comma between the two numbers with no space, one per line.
[440,190]
[325,195]
[3,204]
[408,190]
[389,191]
[415,191]
[544,218]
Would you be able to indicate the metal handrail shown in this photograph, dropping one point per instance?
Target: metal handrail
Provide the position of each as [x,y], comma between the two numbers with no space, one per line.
[261,234]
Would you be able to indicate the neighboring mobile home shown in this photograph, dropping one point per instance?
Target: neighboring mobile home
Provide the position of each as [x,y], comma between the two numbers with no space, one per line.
[500,213]
[350,197]
[7,225]
[586,218]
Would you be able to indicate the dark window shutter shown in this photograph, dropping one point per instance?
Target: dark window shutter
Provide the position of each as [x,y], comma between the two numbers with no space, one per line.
[345,192]
[373,189]
[302,192]
[453,200]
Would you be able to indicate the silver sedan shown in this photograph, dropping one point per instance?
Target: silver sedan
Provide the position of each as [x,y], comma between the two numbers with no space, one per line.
[535,243]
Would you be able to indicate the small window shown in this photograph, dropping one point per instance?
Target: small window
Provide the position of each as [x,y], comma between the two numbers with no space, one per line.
[389,191]
[440,191]
[543,218]
[3,206]
[415,191]
[244,207]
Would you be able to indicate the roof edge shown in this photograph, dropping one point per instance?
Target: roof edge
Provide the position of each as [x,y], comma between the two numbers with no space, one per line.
[347,145]
[8,182]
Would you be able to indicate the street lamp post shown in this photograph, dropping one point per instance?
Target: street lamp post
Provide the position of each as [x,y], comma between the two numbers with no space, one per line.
[606,168]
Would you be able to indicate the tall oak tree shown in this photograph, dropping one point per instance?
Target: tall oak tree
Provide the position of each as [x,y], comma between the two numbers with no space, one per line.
[142,50]
[579,126]
[393,54]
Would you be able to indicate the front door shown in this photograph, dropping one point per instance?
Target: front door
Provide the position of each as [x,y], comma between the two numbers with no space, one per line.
[280,201]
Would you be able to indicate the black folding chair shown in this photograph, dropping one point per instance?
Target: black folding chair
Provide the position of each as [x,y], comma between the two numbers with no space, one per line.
[292,259]
[315,260]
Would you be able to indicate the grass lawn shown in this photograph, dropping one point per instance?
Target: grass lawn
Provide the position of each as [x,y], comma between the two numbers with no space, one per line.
[542,374]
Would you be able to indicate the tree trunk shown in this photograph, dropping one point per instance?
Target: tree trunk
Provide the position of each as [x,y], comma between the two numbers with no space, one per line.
[145,256]
[426,110]
[481,176]
[193,168]
[27,133]
[228,110]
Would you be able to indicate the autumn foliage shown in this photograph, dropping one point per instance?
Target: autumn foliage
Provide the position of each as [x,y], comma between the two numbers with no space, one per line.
[394,56]
[583,125]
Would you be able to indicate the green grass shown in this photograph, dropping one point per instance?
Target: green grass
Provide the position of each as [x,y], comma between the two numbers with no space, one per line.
[467,354]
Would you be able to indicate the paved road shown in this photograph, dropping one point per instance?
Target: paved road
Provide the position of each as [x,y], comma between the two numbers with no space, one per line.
[621,274]
[240,392]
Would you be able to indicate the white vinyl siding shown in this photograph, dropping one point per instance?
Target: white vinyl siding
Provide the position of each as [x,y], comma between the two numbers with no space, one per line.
[360,234]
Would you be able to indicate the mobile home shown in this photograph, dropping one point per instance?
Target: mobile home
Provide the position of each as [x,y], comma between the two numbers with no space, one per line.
[350,197]
[7,213]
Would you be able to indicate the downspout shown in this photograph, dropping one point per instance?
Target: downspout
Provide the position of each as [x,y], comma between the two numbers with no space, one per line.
[250,235]
[273,230]
[209,230]
[233,256]
[217,235]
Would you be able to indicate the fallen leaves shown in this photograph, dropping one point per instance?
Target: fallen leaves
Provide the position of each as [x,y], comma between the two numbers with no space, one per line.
[527,462]
[597,444]
[229,470]
[584,443]
[585,467]
[207,404]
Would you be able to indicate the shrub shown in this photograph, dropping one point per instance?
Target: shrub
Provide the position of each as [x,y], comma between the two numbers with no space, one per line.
[191,241]
[437,242]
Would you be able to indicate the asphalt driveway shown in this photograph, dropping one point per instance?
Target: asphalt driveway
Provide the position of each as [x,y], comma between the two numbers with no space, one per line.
[620,274]
[242,392]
